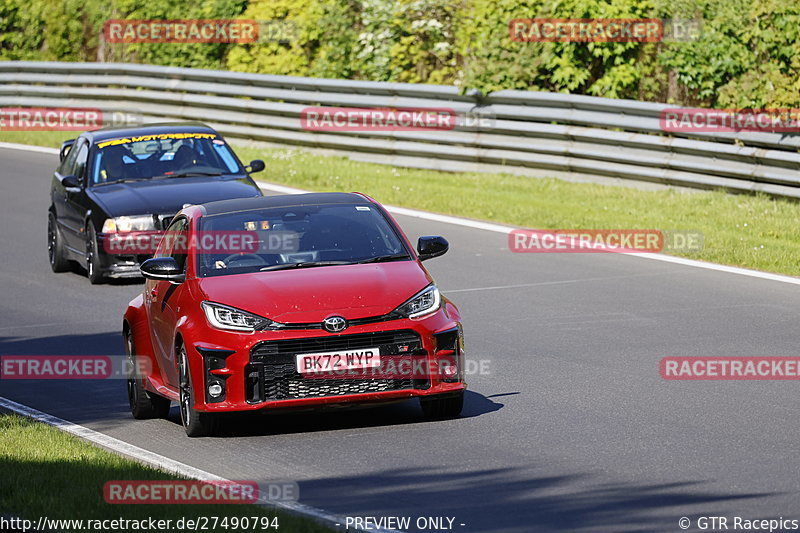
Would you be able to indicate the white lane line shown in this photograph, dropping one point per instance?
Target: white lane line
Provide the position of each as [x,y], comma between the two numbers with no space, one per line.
[164,463]
[280,188]
[30,148]
[543,283]
[498,228]
[447,219]
[719,268]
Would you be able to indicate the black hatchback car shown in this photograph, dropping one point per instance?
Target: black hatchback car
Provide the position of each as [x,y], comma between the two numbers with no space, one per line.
[115,181]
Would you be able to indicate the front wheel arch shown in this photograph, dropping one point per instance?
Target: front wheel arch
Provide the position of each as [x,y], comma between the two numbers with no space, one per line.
[195,423]
[87,219]
[176,348]
[143,404]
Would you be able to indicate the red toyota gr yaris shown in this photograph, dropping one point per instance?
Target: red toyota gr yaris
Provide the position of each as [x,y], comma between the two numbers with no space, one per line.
[290,302]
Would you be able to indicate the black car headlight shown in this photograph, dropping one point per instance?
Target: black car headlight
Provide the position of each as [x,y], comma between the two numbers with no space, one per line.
[128,224]
[226,317]
[425,302]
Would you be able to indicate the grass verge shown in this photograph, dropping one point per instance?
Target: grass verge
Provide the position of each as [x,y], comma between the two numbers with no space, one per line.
[749,231]
[49,473]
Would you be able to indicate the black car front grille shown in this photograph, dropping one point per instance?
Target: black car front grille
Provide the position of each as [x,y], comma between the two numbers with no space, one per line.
[272,374]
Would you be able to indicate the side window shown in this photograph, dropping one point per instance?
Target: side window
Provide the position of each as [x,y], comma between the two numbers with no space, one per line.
[179,251]
[175,242]
[79,168]
[69,162]
[226,156]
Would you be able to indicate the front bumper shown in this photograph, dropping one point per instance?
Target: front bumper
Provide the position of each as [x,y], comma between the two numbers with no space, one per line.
[118,265]
[257,371]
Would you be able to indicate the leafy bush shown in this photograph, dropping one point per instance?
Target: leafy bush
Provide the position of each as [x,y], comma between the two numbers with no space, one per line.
[199,55]
[275,57]
[22,30]
[748,53]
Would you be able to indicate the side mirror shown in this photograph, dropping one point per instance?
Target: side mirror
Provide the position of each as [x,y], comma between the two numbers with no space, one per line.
[256,165]
[65,147]
[430,247]
[70,182]
[162,268]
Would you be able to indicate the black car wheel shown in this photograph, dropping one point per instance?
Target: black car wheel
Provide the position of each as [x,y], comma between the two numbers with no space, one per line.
[55,245]
[143,404]
[93,268]
[442,407]
[195,423]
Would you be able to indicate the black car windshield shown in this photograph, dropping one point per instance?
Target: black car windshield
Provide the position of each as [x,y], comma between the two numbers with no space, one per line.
[295,237]
[162,156]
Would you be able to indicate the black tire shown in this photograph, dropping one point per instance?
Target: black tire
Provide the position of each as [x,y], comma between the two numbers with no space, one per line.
[195,423]
[93,272]
[143,404]
[55,245]
[439,408]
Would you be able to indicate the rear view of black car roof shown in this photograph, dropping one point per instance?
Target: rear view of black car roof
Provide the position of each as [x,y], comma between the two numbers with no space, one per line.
[148,129]
[289,200]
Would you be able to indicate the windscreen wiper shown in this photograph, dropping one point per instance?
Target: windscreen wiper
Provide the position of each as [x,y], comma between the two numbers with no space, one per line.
[187,174]
[304,264]
[123,180]
[384,258]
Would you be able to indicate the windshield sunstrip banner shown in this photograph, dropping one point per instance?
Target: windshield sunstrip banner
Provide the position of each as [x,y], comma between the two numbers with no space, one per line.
[155,137]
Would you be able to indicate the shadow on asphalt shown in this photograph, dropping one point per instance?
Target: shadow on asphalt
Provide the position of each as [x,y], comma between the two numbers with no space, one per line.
[79,344]
[520,500]
[394,414]
[105,401]
[508,500]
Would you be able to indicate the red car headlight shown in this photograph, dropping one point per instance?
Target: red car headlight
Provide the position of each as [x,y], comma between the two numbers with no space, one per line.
[225,317]
[425,302]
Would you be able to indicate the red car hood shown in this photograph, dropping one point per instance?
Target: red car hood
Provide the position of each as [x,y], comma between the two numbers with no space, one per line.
[313,294]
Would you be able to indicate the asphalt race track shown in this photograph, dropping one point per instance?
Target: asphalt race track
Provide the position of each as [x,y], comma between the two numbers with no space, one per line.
[573,429]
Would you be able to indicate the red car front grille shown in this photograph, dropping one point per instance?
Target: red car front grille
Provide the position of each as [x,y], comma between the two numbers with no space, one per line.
[272,374]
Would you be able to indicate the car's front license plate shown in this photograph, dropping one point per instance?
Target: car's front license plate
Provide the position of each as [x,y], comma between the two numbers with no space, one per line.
[311,363]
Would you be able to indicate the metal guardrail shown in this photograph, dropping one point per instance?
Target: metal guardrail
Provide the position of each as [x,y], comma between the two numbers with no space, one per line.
[534,133]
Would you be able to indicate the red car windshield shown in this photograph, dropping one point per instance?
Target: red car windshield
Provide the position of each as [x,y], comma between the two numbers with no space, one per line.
[296,237]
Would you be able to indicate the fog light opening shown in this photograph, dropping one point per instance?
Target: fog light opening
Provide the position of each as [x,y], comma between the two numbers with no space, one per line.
[449,369]
[215,390]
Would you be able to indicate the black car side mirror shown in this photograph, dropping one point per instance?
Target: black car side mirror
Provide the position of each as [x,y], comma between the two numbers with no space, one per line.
[163,269]
[430,247]
[256,165]
[71,182]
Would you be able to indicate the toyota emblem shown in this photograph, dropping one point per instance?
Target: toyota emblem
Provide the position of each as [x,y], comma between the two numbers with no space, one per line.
[334,324]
